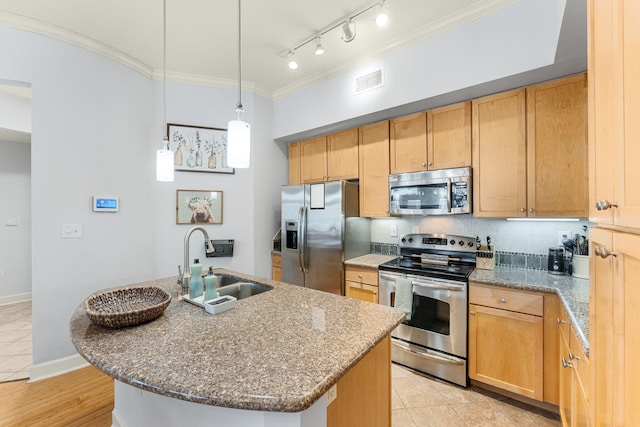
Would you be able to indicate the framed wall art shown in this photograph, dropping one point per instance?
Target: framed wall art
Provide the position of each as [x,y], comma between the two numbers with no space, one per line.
[198,148]
[198,207]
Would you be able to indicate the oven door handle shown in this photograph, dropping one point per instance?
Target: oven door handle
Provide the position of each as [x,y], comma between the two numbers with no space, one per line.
[438,286]
[445,359]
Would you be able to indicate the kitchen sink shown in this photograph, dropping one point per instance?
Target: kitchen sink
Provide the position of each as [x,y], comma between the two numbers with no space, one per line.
[225,280]
[241,289]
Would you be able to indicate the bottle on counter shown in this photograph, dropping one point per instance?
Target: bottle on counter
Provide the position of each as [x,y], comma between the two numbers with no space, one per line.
[195,285]
[210,286]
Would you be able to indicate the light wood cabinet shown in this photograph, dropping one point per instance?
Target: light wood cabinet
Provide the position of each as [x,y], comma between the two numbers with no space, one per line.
[499,155]
[330,157]
[295,164]
[557,156]
[505,346]
[314,159]
[614,67]
[614,326]
[537,170]
[276,267]
[363,394]
[435,139]
[574,377]
[374,169]
[361,283]
[449,136]
[408,143]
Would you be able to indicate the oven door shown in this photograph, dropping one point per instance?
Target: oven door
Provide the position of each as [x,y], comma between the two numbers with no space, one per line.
[439,312]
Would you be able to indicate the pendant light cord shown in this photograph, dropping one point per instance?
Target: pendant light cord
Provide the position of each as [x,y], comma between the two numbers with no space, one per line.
[239,107]
[164,70]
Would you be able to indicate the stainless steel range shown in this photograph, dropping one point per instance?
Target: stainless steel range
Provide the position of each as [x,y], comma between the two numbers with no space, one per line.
[437,267]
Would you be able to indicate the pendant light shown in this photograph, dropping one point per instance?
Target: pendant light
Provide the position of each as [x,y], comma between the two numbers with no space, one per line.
[238,131]
[164,156]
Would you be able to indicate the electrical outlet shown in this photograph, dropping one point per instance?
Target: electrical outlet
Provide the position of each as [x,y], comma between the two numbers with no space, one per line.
[563,235]
[332,393]
[71,231]
[393,230]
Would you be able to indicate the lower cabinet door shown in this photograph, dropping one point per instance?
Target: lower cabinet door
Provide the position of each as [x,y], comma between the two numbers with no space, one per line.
[506,350]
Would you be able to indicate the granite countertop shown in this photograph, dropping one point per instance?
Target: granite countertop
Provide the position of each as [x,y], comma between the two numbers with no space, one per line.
[370,260]
[276,351]
[573,292]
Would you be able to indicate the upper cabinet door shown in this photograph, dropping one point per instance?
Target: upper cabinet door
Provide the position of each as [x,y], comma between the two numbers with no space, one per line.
[614,104]
[374,170]
[557,155]
[314,159]
[499,155]
[408,143]
[449,136]
[342,155]
[294,164]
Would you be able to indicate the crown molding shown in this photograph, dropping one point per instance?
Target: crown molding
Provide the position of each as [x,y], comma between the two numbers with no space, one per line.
[428,31]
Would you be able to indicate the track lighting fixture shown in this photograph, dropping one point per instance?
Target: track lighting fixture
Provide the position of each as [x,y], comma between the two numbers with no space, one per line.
[348,32]
[382,18]
[319,49]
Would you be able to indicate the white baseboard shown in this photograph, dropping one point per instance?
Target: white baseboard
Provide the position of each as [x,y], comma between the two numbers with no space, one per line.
[56,367]
[12,299]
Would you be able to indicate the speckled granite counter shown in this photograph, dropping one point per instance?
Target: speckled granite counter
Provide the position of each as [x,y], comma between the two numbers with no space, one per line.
[277,351]
[573,292]
[370,260]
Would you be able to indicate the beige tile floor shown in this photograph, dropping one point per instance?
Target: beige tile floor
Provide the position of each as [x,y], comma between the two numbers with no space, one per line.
[15,341]
[421,401]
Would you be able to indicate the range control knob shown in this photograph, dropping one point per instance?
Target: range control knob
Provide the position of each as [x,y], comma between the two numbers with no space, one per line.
[403,240]
[410,239]
[452,242]
[461,243]
[470,244]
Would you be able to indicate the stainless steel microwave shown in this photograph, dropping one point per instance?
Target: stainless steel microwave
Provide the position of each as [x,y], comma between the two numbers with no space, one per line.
[438,192]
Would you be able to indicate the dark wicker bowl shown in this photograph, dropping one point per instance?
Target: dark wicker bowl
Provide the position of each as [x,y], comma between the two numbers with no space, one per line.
[127,306]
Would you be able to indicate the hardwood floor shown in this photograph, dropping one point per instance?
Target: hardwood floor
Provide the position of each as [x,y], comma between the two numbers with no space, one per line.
[79,398]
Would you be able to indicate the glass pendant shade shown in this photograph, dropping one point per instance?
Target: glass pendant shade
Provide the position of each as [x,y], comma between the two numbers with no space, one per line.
[164,165]
[238,144]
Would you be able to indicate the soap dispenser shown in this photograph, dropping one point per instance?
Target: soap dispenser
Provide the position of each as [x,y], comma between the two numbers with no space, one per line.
[196,285]
[210,286]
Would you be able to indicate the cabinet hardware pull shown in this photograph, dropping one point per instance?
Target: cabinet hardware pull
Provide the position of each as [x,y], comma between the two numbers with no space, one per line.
[603,252]
[531,209]
[360,276]
[424,165]
[503,300]
[560,321]
[429,164]
[573,356]
[566,364]
[473,313]
[603,205]
[521,209]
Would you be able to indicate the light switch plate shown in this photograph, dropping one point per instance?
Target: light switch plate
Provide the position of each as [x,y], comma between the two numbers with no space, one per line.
[71,231]
[393,230]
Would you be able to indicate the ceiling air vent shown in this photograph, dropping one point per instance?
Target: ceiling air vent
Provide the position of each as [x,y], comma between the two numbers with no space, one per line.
[369,81]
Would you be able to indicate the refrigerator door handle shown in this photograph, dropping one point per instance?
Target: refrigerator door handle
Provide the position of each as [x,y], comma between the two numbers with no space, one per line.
[303,235]
[299,238]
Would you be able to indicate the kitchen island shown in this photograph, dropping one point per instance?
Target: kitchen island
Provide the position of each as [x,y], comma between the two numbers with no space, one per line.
[274,359]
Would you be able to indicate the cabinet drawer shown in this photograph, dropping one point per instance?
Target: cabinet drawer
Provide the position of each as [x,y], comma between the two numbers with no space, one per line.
[276,260]
[361,275]
[521,302]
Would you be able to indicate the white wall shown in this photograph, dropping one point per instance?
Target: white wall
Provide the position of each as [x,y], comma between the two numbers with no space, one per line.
[15,203]
[513,40]
[15,112]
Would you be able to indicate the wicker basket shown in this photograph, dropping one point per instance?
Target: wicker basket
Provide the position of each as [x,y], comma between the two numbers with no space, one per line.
[126,306]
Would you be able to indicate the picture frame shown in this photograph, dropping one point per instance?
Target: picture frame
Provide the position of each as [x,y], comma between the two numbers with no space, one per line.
[198,148]
[199,207]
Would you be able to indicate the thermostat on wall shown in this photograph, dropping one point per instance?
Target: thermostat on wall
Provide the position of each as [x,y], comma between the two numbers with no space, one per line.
[106,204]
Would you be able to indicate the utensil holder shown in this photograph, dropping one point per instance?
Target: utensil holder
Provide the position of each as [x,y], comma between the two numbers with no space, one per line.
[486,258]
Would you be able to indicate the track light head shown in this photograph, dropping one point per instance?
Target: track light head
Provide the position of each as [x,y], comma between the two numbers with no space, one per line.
[292,62]
[319,49]
[348,31]
[381,18]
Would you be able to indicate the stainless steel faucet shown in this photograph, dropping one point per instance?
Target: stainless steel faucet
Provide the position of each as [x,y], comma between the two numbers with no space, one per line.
[184,273]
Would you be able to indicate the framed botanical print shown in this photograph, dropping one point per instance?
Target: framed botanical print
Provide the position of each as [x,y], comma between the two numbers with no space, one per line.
[198,148]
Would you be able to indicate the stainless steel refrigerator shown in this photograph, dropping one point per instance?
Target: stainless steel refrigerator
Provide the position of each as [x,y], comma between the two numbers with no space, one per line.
[321,229]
